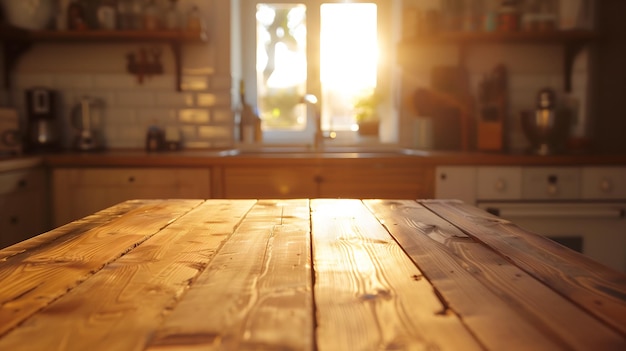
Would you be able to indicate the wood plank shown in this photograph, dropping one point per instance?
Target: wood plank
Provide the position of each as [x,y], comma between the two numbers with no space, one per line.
[121,306]
[256,293]
[525,296]
[598,289]
[480,309]
[31,281]
[368,293]
[41,241]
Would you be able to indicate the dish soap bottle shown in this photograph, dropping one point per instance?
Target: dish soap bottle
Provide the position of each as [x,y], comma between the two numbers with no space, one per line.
[249,122]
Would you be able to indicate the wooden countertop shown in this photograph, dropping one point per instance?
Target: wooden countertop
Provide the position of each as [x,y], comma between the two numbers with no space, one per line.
[15,163]
[304,274]
[130,158]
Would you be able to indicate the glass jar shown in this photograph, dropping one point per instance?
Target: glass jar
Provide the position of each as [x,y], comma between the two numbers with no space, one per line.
[172,17]
[194,20]
[151,16]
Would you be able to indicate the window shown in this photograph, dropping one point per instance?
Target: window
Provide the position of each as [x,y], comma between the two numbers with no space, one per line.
[326,48]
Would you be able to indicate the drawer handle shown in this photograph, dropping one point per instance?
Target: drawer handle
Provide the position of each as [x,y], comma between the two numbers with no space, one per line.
[500,185]
[14,220]
[22,183]
[606,185]
[131,179]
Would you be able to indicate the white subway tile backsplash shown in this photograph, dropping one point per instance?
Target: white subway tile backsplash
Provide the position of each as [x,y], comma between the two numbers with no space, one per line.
[206,99]
[222,116]
[135,98]
[174,99]
[194,116]
[214,132]
[115,81]
[74,81]
[220,82]
[194,83]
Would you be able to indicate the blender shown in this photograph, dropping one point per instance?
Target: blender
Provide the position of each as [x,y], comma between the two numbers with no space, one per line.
[86,119]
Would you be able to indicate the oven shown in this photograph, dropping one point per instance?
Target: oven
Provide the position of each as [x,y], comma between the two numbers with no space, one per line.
[596,229]
[583,208]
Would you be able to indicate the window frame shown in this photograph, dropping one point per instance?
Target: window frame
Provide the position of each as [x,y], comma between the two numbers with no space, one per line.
[384,75]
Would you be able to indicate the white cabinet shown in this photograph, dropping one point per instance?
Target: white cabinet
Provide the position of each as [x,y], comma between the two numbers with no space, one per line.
[499,183]
[604,183]
[456,182]
[78,192]
[551,183]
[23,205]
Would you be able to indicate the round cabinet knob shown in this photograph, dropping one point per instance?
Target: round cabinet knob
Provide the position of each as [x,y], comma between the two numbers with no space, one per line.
[553,189]
[500,185]
[606,185]
[131,179]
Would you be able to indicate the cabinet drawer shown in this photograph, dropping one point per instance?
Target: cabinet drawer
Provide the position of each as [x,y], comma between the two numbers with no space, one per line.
[548,183]
[456,182]
[604,183]
[133,176]
[275,182]
[22,180]
[499,183]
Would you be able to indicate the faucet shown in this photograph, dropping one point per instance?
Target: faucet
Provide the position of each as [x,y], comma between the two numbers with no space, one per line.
[318,137]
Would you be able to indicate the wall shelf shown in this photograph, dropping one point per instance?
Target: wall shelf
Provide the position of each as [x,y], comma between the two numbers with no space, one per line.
[572,40]
[17,41]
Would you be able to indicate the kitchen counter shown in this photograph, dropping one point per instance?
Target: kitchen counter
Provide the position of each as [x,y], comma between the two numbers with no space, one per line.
[302,274]
[333,156]
[15,163]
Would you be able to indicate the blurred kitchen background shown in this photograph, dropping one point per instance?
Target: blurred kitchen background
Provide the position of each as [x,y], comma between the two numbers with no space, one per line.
[415,62]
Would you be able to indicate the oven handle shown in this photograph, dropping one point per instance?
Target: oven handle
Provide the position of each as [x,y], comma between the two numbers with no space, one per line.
[553,212]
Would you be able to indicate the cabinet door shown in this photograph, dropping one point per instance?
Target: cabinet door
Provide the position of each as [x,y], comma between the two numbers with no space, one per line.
[376,181]
[604,183]
[23,205]
[456,182]
[275,182]
[499,183]
[80,192]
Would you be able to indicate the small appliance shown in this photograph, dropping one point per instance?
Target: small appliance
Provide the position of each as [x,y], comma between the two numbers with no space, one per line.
[43,128]
[87,119]
[10,134]
[547,128]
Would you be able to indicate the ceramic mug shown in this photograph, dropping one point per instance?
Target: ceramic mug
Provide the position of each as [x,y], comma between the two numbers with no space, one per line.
[29,14]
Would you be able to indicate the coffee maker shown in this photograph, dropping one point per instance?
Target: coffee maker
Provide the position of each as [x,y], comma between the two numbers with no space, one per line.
[42,125]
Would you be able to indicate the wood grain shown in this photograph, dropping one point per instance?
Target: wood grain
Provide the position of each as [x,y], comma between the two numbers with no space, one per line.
[256,293]
[41,241]
[599,290]
[368,293]
[426,237]
[120,306]
[34,279]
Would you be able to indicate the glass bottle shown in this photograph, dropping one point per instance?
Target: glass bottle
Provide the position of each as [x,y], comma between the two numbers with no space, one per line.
[194,20]
[151,16]
[172,16]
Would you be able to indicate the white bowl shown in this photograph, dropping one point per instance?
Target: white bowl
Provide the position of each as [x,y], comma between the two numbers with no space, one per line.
[29,14]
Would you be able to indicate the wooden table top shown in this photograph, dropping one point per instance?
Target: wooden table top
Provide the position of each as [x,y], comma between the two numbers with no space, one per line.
[320,274]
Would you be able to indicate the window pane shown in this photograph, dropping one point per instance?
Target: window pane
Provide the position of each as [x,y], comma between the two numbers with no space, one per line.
[349,60]
[281,65]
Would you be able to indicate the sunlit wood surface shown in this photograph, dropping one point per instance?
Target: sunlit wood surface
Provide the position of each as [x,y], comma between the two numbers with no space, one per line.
[304,274]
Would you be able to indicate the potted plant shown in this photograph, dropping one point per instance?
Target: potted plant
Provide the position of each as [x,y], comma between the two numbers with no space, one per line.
[366,113]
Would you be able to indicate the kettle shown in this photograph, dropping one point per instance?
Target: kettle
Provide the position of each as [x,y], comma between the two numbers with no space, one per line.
[86,119]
